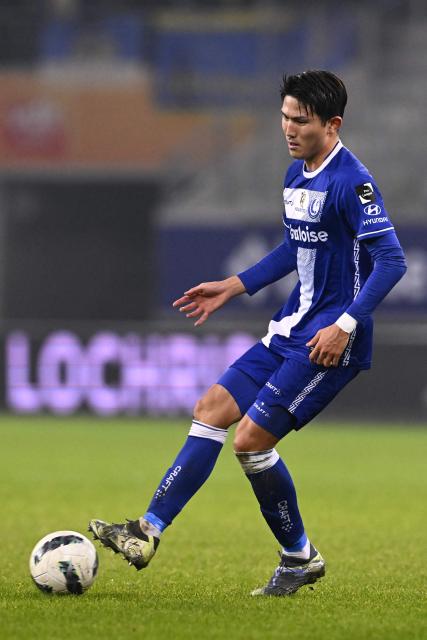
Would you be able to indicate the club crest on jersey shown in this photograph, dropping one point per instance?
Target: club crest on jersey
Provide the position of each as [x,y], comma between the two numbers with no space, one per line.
[304,204]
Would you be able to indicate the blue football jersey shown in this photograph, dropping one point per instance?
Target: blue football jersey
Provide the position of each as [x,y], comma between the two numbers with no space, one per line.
[328,213]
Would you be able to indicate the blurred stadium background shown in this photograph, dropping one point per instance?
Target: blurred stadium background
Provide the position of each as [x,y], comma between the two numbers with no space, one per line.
[141,153]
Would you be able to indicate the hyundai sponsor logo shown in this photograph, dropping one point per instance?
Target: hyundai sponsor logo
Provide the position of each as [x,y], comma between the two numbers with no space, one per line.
[372,210]
[369,221]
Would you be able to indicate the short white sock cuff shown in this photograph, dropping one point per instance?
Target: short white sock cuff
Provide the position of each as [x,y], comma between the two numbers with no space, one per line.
[202,430]
[257,461]
[303,553]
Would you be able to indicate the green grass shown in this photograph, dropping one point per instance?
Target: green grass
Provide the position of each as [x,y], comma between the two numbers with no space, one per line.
[362,492]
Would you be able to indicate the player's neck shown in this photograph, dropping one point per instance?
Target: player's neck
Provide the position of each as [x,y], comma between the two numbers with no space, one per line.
[311,164]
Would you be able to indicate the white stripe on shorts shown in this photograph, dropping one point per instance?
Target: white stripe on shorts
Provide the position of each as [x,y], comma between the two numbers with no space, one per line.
[311,385]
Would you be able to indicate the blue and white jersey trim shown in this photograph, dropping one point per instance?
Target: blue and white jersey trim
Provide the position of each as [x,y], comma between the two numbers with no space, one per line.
[356,291]
[371,233]
[306,259]
[327,160]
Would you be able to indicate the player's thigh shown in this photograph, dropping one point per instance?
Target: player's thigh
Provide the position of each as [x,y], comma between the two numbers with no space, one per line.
[228,400]
[250,436]
[295,394]
[248,374]
[217,407]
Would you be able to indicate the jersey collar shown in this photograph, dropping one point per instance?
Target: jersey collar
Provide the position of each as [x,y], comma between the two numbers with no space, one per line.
[311,174]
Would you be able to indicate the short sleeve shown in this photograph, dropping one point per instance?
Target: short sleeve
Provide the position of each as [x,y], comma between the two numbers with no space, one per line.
[364,208]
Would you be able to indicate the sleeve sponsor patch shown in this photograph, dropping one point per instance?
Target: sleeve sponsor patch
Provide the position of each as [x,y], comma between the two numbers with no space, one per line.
[366,193]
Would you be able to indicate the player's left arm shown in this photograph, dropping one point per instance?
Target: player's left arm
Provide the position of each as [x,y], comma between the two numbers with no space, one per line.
[389,267]
[363,210]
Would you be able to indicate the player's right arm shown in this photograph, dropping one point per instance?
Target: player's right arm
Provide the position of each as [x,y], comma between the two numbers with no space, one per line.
[201,301]
[275,265]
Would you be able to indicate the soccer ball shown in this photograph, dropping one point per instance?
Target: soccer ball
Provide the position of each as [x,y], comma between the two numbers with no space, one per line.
[64,562]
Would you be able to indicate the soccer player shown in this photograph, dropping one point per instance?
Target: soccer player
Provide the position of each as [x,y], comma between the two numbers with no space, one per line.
[339,239]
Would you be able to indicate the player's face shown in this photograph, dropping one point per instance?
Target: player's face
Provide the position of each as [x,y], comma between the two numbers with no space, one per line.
[307,137]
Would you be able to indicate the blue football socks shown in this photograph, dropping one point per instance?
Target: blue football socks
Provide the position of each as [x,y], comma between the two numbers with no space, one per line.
[191,468]
[275,491]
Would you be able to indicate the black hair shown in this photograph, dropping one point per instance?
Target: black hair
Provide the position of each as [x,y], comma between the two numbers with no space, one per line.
[321,92]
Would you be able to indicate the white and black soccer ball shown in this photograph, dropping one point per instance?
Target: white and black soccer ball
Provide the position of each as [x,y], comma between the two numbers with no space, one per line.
[64,562]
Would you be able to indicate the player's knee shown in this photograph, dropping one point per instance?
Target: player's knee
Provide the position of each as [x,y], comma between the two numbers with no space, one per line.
[217,408]
[250,437]
[202,408]
[240,442]
[244,440]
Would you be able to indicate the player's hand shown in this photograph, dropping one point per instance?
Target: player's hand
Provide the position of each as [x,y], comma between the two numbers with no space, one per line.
[200,301]
[328,345]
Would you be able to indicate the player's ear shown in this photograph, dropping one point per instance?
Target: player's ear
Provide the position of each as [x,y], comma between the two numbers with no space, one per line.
[334,124]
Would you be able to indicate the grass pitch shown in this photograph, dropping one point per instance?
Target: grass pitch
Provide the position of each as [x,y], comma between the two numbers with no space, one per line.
[362,492]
